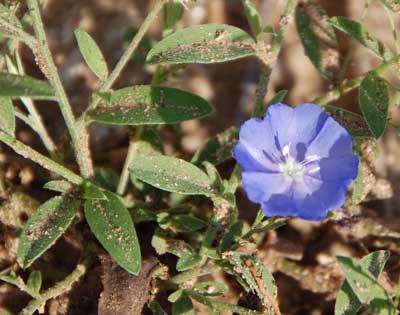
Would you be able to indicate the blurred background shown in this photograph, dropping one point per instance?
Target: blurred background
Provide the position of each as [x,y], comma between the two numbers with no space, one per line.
[309,285]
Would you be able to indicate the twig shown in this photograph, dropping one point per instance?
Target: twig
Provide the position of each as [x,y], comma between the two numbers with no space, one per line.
[40,159]
[78,132]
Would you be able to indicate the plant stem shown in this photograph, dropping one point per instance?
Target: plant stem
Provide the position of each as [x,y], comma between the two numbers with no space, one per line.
[349,85]
[34,120]
[123,181]
[269,58]
[79,135]
[57,290]
[40,159]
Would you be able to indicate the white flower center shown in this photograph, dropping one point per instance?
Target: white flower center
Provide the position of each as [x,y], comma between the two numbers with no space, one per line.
[293,169]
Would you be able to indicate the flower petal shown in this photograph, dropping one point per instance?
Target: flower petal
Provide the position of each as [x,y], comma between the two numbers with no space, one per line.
[260,186]
[338,169]
[256,139]
[279,117]
[315,198]
[307,122]
[332,141]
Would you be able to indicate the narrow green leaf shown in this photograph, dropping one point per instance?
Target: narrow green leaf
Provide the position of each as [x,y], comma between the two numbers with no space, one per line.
[393,5]
[92,54]
[34,282]
[318,38]
[278,97]
[112,224]
[61,186]
[7,117]
[183,306]
[218,149]
[363,284]
[375,262]
[92,192]
[231,239]
[253,17]
[149,105]
[172,13]
[14,85]
[211,288]
[171,174]
[362,35]
[374,101]
[210,43]
[353,122]
[44,227]
[175,296]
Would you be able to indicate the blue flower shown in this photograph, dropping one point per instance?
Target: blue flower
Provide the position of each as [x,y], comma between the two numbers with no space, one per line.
[296,161]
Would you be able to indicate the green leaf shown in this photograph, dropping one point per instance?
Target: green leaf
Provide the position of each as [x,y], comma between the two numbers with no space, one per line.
[362,283]
[353,122]
[172,13]
[278,97]
[184,223]
[188,261]
[218,149]
[7,117]
[183,306]
[361,34]
[106,178]
[211,288]
[175,296]
[171,174]
[149,105]
[44,227]
[253,17]
[61,185]
[34,282]
[347,302]
[232,237]
[14,85]
[374,101]
[92,54]
[393,5]
[318,38]
[255,275]
[209,43]
[112,224]
[92,192]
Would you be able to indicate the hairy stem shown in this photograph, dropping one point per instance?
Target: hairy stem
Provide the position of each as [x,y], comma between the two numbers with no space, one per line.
[269,58]
[40,159]
[349,85]
[57,290]
[78,132]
